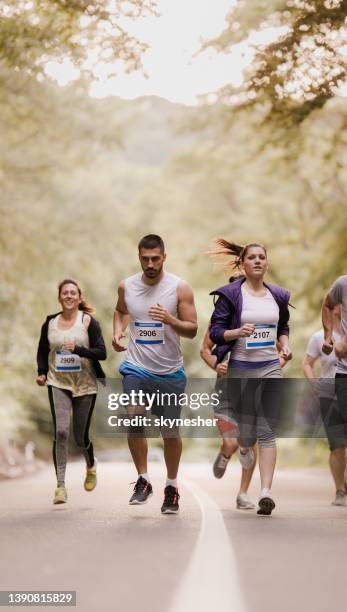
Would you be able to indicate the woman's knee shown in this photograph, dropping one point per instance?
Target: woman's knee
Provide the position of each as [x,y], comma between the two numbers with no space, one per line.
[267,440]
[61,436]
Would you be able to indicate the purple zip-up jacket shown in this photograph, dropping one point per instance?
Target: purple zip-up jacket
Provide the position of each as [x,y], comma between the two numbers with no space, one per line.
[228,309]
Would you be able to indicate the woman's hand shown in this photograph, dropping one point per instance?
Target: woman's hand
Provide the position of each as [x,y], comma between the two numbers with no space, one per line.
[246,330]
[69,345]
[41,380]
[286,353]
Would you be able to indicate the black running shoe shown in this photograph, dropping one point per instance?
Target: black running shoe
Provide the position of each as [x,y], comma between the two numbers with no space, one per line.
[170,503]
[266,506]
[142,491]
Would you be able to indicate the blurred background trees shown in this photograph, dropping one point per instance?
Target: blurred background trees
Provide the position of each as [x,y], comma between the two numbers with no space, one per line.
[83,179]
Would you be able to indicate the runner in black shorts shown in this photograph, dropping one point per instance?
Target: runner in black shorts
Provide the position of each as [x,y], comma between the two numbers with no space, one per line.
[338,295]
[324,389]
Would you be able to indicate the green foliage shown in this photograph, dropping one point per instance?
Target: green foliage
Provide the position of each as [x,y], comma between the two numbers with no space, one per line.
[32,33]
[83,179]
[302,69]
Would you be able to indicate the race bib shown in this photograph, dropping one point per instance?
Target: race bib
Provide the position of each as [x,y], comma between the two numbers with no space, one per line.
[264,336]
[67,362]
[149,332]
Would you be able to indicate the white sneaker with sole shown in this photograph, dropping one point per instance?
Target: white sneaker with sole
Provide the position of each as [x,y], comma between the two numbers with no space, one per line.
[243,502]
[340,499]
[266,503]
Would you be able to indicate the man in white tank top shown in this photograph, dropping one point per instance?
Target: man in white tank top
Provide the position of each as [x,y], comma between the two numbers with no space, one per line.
[159,308]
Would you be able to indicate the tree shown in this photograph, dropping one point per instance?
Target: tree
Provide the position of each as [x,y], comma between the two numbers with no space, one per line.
[32,33]
[301,70]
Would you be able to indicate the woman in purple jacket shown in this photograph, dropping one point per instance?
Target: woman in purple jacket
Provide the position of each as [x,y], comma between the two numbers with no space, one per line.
[249,318]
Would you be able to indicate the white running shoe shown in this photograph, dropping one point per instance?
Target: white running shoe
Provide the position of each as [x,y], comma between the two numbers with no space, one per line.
[243,502]
[246,458]
[340,499]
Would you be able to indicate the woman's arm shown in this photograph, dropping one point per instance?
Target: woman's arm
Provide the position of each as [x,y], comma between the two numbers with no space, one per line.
[43,351]
[220,332]
[97,349]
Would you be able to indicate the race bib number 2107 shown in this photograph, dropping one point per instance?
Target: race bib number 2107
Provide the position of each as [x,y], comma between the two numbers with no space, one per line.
[264,336]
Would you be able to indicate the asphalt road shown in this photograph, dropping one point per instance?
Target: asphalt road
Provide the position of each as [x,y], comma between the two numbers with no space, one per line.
[127,558]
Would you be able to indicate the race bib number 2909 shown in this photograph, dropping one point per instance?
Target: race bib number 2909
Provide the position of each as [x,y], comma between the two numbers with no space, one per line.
[67,362]
[149,332]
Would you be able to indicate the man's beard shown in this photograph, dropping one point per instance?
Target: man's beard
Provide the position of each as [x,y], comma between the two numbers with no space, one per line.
[152,273]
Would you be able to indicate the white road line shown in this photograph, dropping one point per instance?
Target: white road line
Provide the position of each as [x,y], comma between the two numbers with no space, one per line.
[211,581]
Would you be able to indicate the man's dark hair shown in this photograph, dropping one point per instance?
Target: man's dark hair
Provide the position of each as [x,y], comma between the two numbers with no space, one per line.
[152,241]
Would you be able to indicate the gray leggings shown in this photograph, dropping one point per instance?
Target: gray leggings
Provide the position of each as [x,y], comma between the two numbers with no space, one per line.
[62,406]
[255,397]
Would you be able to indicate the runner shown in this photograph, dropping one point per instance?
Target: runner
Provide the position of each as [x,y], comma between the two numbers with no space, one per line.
[248,318]
[226,425]
[325,390]
[338,295]
[70,346]
[160,308]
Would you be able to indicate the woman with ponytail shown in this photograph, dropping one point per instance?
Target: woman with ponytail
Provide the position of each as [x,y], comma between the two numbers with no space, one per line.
[70,347]
[249,321]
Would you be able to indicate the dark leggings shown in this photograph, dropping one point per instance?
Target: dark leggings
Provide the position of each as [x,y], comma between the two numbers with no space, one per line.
[62,406]
[256,405]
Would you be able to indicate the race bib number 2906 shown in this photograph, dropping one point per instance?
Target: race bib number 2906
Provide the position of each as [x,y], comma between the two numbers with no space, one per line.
[149,332]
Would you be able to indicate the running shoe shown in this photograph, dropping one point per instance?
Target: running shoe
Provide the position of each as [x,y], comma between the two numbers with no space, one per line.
[246,458]
[243,502]
[91,480]
[266,506]
[60,496]
[170,503]
[340,499]
[220,465]
[142,491]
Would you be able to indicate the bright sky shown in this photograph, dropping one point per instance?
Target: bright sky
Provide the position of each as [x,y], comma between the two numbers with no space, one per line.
[174,38]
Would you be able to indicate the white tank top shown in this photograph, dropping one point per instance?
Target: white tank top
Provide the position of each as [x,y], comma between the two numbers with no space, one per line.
[153,346]
[79,383]
[261,311]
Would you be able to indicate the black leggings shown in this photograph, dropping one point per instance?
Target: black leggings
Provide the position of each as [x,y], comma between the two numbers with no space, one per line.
[62,406]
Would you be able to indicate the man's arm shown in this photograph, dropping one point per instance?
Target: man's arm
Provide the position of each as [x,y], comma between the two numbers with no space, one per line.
[186,323]
[327,320]
[120,319]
